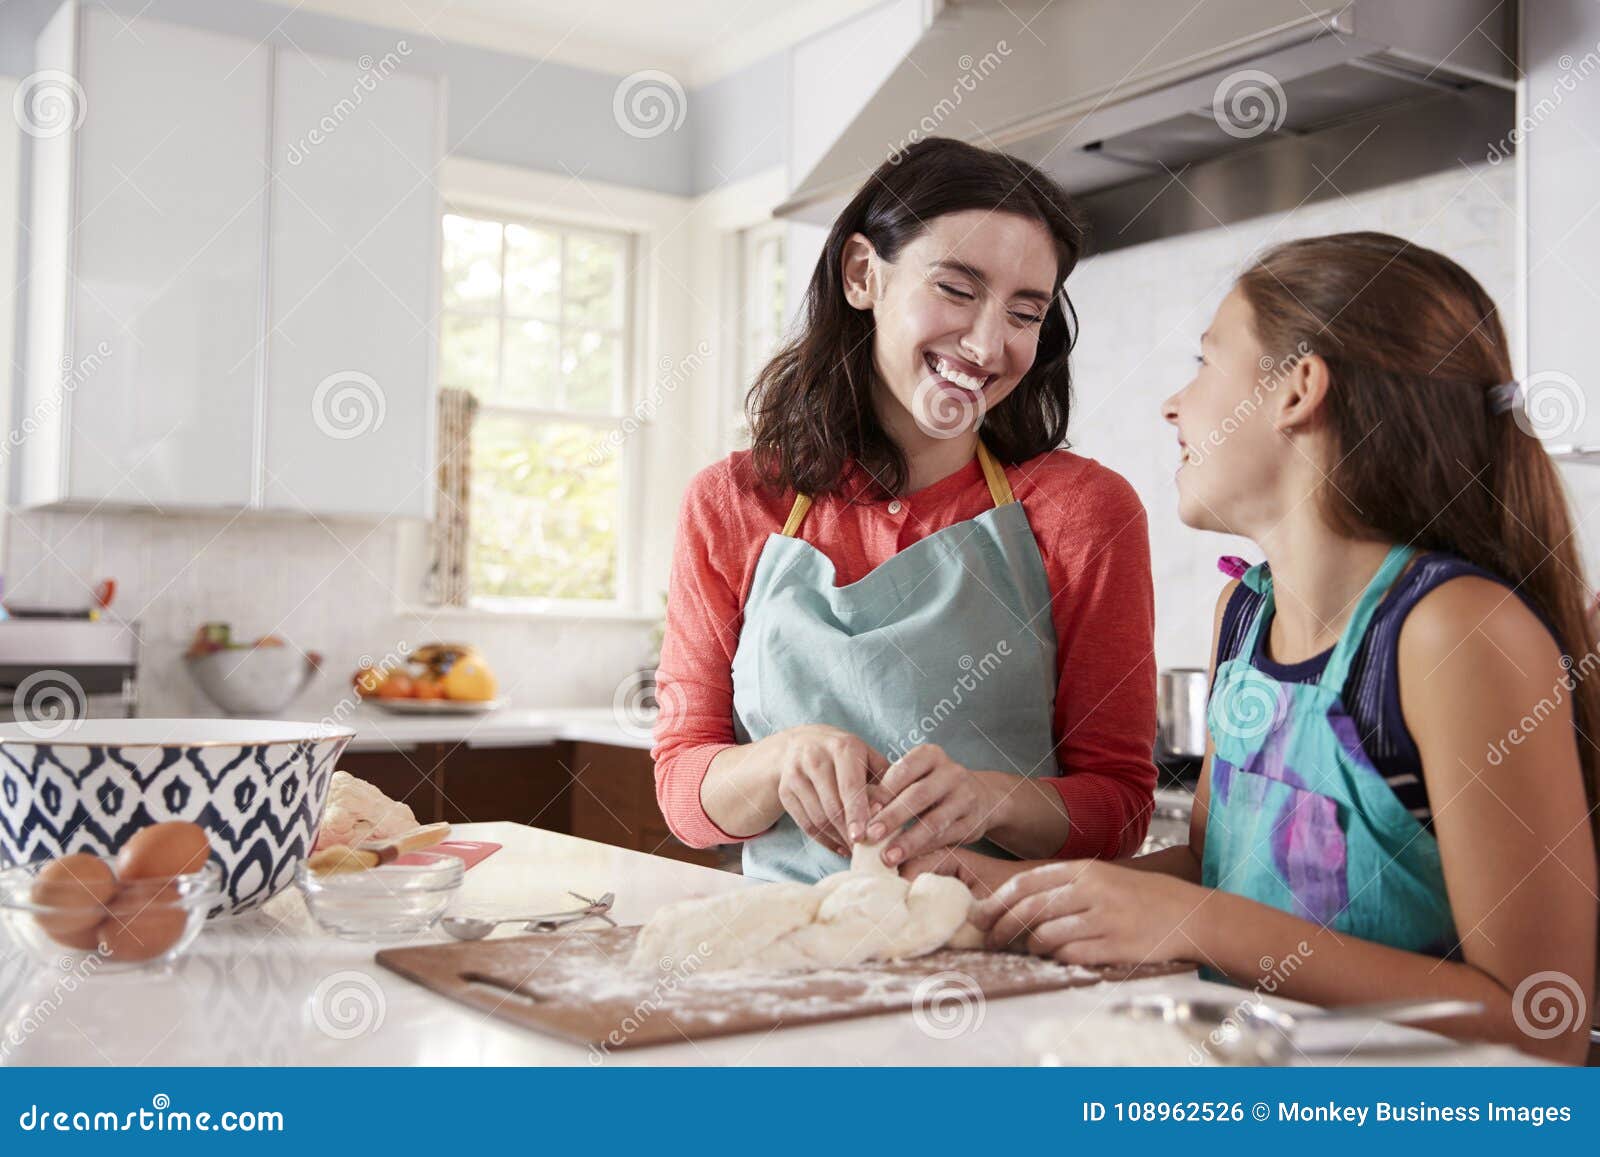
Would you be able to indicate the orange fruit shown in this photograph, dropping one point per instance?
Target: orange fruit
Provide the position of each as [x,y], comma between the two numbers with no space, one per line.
[469,678]
[398,685]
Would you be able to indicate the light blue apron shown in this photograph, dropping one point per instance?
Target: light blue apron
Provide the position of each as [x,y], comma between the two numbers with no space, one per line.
[1299,817]
[948,642]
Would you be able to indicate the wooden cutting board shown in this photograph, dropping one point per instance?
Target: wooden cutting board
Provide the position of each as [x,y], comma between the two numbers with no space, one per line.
[577,985]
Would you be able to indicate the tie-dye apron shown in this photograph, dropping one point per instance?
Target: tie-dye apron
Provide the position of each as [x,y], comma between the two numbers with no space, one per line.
[1299,817]
[948,642]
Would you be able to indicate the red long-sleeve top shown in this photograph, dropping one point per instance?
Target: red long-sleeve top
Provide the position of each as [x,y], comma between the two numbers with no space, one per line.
[1091,531]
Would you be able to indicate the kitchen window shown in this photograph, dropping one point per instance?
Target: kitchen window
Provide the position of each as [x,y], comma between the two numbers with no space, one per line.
[536,325]
[762,311]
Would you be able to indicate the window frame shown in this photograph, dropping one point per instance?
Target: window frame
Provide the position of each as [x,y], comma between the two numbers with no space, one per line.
[625,601]
[743,244]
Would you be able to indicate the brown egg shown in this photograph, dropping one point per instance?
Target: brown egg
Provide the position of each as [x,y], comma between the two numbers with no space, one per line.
[79,885]
[175,848]
[141,925]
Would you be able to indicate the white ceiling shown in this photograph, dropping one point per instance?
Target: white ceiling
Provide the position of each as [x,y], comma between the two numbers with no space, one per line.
[695,40]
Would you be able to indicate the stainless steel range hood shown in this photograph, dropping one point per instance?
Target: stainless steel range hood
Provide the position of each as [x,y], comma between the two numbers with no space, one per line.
[1126,95]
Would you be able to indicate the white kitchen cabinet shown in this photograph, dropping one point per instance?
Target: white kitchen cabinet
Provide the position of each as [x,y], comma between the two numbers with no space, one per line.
[354,270]
[1558,149]
[232,254]
[148,224]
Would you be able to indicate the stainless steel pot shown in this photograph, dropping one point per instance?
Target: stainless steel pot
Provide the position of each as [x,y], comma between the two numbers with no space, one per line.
[1181,712]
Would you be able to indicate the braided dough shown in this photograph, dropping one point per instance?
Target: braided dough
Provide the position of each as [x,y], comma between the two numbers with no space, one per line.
[866,913]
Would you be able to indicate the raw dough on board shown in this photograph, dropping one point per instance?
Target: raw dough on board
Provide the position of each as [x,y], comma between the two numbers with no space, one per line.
[866,913]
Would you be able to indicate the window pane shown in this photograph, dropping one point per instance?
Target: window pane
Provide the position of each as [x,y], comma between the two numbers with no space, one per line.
[772,274]
[467,352]
[530,374]
[533,272]
[594,280]
[591,363]
[471,262]
[544,514]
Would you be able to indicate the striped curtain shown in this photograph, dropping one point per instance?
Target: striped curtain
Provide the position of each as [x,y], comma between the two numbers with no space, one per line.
[447,576]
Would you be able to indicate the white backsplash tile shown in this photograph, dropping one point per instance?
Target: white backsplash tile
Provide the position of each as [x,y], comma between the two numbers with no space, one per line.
[321,586]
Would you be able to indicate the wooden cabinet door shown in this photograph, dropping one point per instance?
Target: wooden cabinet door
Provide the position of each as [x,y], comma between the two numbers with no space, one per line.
[614,802]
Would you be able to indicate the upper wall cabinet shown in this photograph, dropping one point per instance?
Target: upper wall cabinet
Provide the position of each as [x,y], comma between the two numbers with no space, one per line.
[354,262]
[233,255]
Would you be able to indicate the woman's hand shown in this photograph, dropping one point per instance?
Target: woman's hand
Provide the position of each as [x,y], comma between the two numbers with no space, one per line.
[982,874]
[822,777]
[1092,912]
[950,804]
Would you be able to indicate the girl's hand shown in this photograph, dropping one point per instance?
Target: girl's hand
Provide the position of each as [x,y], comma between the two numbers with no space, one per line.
[822,775]
[1092,912]
[950,804]
[981,874]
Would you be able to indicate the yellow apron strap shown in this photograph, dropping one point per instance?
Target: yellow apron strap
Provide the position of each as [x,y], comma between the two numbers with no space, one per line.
[999,488]
[993,474]
[797,515]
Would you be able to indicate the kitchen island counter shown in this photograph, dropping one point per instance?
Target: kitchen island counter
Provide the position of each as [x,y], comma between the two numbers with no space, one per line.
[270,988]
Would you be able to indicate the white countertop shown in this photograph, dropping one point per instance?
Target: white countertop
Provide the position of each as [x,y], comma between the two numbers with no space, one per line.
[270,988]
[379,730]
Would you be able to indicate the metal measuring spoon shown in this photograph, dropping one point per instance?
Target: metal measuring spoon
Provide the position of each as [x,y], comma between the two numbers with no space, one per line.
[1249,1032]
[476,927]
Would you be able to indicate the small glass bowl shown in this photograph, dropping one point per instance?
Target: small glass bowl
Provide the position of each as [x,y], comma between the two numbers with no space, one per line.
[146,924]
[400,899]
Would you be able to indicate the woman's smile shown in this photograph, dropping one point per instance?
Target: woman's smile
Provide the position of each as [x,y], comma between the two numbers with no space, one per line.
[957,373]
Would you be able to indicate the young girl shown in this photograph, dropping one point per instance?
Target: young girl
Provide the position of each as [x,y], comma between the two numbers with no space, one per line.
[873,596]
[1400,785]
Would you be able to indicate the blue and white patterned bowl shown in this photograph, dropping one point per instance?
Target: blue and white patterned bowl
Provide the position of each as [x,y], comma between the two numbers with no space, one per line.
[256,786]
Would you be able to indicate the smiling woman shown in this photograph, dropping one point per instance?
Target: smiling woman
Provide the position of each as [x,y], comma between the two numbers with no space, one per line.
[822,686]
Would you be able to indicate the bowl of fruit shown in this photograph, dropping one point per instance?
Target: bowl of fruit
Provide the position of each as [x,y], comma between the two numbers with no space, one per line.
[437,679]
[253,679]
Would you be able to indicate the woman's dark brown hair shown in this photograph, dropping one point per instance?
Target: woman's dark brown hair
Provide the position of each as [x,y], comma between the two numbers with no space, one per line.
[811,407]
[1413,346]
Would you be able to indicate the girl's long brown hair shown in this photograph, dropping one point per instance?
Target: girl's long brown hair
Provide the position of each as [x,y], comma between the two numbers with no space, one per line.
[1413,346]
[811,408]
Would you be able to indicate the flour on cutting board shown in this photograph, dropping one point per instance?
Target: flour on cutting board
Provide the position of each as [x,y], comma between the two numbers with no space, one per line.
[718,997]
[584,986]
